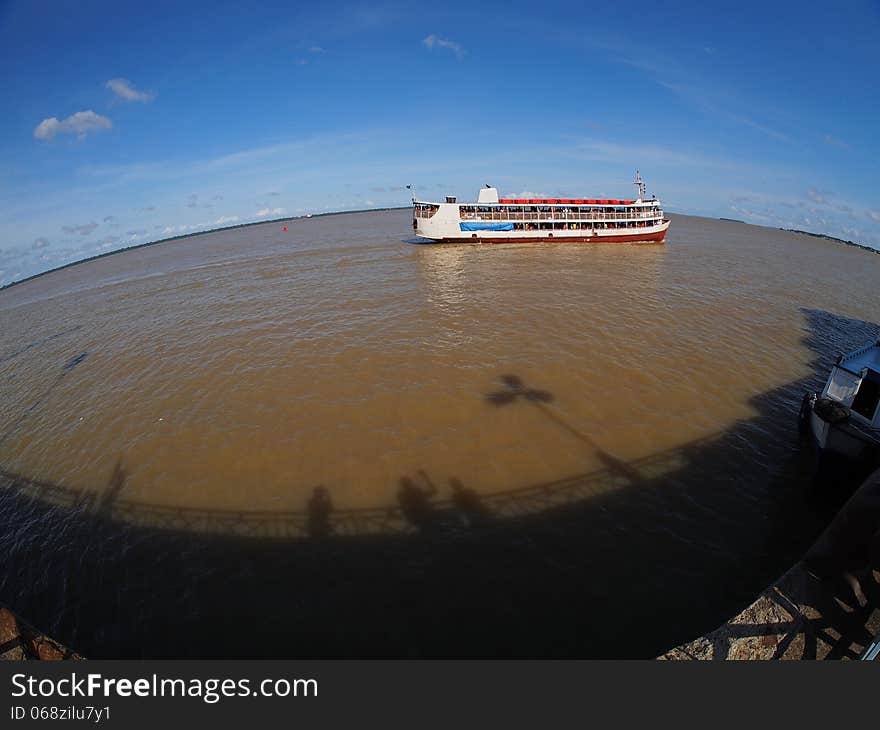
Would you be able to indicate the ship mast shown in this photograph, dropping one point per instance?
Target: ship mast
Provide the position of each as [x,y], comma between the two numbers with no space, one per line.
[640,186]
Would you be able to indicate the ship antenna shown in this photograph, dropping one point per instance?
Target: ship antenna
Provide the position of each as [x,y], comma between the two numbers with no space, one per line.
[409,187]
[640,185]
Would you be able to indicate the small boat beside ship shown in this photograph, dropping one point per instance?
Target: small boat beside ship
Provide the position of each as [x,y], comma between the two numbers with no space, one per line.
[842,422]
[504,220]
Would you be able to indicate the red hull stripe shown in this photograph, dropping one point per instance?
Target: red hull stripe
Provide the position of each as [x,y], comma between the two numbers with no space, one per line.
[631,238]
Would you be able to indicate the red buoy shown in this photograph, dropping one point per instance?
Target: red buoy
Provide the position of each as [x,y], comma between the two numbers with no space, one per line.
[284,229]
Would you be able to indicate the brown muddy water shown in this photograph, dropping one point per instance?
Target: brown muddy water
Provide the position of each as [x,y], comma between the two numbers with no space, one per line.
[524,450]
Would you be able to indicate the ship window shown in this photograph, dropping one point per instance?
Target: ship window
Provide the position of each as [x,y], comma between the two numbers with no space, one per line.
[867,396]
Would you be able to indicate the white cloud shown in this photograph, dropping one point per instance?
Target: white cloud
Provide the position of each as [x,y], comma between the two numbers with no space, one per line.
[874,215]
[40,243]
[263,212]
[316,49]
[80,124]
[527,194]
[226,219]
[125,90]
[433,41]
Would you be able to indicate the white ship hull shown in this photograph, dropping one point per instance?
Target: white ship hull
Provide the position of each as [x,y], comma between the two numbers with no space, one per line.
[494,220]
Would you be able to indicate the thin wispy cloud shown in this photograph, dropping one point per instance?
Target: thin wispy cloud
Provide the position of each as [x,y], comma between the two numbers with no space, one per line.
[703,99]
[834,142]
[83,229]
[263,212]
[763,128]
[686,83]
[316,49]
[226,219]
[40,243]
[819,197]
[81,124]
[126,91]
[432,41]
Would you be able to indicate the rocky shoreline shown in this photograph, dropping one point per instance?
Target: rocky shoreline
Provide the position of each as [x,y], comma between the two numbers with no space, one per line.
[798,617]
[826,607]
[20,641]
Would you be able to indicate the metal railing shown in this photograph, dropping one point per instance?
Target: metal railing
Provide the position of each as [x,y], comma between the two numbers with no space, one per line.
[557,216]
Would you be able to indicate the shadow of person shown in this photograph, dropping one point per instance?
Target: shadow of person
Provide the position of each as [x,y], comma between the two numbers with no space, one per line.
[849,549]
[415,503]
[319,509]
[470,507]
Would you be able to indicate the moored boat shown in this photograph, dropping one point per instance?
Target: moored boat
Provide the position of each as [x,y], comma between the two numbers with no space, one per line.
[501,220]
[843,420]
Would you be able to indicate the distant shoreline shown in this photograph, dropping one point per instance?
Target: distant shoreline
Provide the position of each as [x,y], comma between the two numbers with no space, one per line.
[832,238]
[349,212]
[844,241]
[196,233]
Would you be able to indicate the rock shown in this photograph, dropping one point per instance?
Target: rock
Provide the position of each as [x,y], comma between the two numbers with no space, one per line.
[47,650]
[8,626]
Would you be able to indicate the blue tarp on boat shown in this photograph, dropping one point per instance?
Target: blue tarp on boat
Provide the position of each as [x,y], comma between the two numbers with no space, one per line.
[486,226]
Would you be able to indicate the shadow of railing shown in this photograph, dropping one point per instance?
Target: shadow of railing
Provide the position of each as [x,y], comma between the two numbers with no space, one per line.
[446,513]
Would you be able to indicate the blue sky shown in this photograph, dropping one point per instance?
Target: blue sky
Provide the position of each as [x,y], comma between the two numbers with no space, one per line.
[124,123]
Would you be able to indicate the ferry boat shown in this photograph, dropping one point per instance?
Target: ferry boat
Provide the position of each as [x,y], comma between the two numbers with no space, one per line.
[843,421]
[500,220]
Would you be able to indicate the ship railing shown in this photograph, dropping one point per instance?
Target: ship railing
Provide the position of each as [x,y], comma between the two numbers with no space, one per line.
[506,216]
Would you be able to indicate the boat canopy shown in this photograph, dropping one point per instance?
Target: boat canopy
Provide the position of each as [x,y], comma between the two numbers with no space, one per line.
[855,382]
[865,357]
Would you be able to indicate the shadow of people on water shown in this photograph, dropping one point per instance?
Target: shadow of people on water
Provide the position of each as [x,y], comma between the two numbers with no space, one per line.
[415,503]
[470,507]
[319,508]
